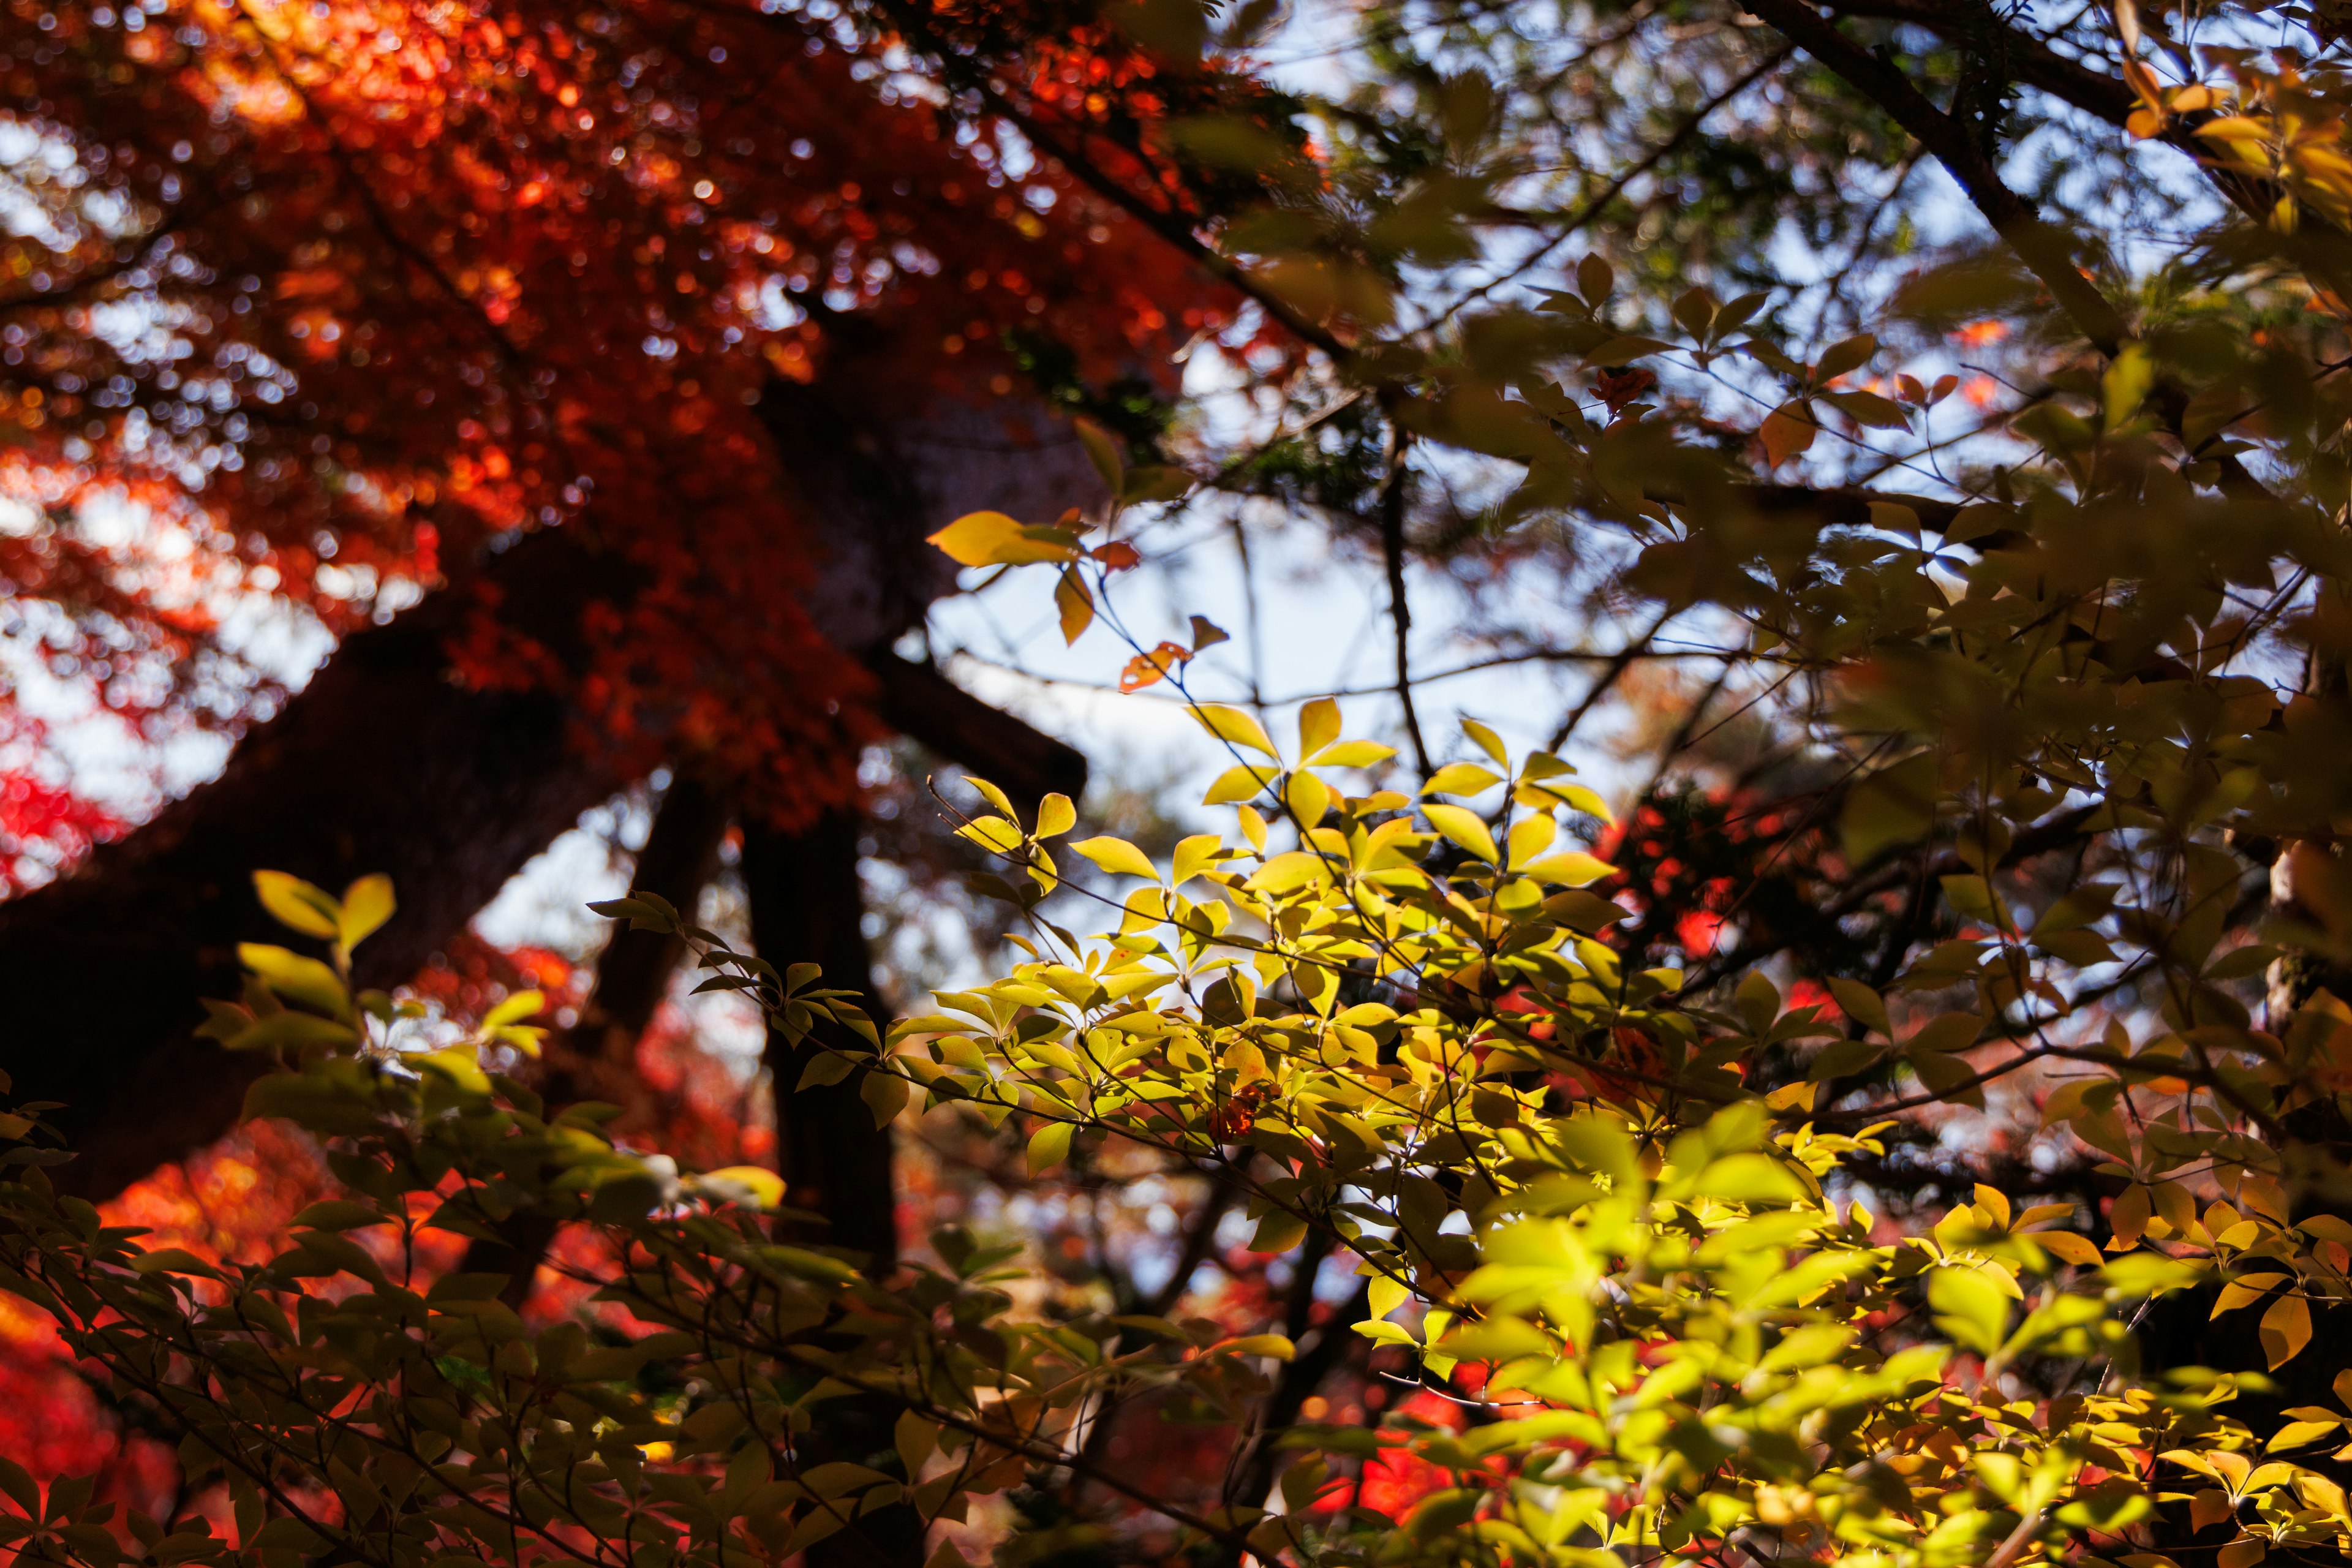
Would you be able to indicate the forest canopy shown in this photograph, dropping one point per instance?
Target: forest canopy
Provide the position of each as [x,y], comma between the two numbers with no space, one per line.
[1787,995]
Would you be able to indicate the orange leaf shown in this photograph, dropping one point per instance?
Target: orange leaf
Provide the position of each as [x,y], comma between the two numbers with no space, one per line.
[1788,430]
[1146,668]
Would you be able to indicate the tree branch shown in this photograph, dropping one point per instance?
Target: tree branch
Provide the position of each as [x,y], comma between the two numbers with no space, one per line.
[2040,246]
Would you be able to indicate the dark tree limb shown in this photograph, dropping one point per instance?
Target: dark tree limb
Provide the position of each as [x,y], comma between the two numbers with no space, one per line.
[2041,248]
[924,705]
[808,907]
[596,1058]
[381,763]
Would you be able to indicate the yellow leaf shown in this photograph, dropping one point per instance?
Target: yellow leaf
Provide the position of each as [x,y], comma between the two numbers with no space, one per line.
[1273,1345]
[514,1009]
[2241,1553]
[1076,603]
[1194,854]
[1049,1146]
[297,978]
[1308,797]
[2210,1508]
[458,1064]
[1466,827]
[1242,782]
[763,1188]
[1573,869]
[993,539]
[1788,431]
[2286,1329]
[1460,778]
[296,905]
[2234,128]
[1319,726]
[1576,797]
[2068,1247]
[1234,727]
[1530,836]
[367,904]
[1118,857]
[1287,872]
[2127,1216]
[1056,815]
[1353,754]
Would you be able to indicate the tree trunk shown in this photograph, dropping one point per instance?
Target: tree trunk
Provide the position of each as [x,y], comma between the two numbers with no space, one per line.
[807,907]
[596,1058]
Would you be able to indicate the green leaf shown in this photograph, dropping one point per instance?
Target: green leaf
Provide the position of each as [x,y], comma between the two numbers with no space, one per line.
[1862,1004]
[1049,1146]
[2130,377]
[1971,1308]
[1278,1232]
[340,1214]
[297,978]
[1894,805]
[886,1095]
[295,1030]
[1102,451]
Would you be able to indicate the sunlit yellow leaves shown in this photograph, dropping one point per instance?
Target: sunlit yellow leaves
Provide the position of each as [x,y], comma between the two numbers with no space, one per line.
[2286,1329]
[1574,868]
[347,921]
[1352,754]
[301,979]
[1118,857]
[297,904]
[1056,815]
[1465,828]
[754,1186]
[1243,781]
[1234,727]
[1074,603]
[1319,726]
[1529,837]
[1049,1146]
[1460,778]
[993,539]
